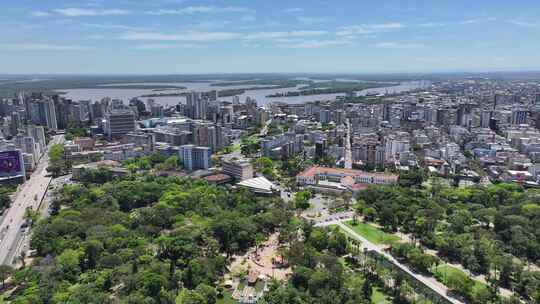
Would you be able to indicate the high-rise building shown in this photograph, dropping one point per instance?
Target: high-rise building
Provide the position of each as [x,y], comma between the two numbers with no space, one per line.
[387,111]
[43,112]
[119,123]
[38,133]
[62,109]
[324,116]
[195,157]
[157,110]
[369,152]
[15,123]
[485,117]
[519,116]
[96,111]
[208,135]
[239,169]
[196,107]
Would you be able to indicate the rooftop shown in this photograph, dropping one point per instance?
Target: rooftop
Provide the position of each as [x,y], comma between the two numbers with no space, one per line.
[310,172]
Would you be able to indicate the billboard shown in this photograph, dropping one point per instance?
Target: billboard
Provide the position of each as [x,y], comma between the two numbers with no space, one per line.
[10,163]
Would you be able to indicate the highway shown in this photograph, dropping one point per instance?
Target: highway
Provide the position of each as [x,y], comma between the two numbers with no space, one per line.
[30,195]
[430,282]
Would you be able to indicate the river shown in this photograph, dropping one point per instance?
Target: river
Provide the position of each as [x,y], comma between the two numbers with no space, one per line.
[126,94]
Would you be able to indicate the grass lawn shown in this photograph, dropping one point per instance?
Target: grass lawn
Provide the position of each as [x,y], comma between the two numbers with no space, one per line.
[377,297]
[227,299]
[372,233]
[441,272]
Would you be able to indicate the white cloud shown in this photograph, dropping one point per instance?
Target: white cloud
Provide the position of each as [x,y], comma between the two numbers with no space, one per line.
[311,20]
[207,25]
[432,24]
[81,12]
[315,44]
[291,34]
[159,46]
[524,23]
[293,10]
[365,29]
[384,26]
[40,14]
[397,45]
[200,10]
[186,36]
[41,47]
[478,20]
[210,36]
[119,27]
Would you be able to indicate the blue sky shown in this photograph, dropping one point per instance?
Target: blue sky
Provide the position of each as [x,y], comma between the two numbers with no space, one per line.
[183,36]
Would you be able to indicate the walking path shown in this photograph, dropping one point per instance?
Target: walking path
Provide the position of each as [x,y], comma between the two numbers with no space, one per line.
[430,282]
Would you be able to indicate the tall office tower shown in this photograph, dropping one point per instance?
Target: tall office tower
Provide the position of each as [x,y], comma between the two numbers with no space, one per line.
[116,104]
[62,109]
[96,111]
[192,99]
[324,116]
[369,152]
[6,107]
[157,110]
[462,112]
[201,108]
[212,113]
[213,95]
[537,98]
[387,111]
[320,149]
[195,158]
[76,114]
[485,117]
[28,145]
[119,122]
[140,106]
[394,146]
[519,116]
[251,102]
[47,114]
[498,99]
[446,116]
[208,136]
[85,110]
[38,133]
[15,123]
[340,116]
[226,113]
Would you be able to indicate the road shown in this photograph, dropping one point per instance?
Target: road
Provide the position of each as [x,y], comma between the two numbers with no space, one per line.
[430,282]
[348,148]
[30,196]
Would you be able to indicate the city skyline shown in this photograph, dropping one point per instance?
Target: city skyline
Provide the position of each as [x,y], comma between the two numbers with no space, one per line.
[184,37]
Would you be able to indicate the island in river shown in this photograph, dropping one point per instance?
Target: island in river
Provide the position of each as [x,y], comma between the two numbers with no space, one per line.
[332,87]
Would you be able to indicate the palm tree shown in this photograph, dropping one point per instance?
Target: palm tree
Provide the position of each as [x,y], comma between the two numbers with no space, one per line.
[22,258]
[5,272]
